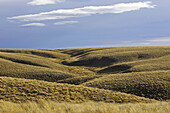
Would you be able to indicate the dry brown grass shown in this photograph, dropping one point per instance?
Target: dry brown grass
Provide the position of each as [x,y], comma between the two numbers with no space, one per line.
[90,107]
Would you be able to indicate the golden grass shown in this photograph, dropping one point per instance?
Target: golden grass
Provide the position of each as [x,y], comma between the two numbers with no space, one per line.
[141,71]
[52,60]
[11,69]
[136,59]
[91,107]
[21,90]
[78,80]
[146,84]
[30,66]
[118,55]
[154,64]
[38,52]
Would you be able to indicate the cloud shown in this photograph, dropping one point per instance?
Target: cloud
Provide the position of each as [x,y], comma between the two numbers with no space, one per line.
[163,39]
[84,11]
[66,22]
[44,2]
[34,24]
[135,42]
[154,41]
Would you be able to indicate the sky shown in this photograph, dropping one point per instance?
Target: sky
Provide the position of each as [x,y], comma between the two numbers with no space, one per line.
[55,24]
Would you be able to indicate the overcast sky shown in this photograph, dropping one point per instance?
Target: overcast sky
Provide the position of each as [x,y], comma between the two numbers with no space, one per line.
[84,23]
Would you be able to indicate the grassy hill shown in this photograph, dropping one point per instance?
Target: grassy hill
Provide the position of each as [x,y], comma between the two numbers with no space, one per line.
[21,90]
[110,74]
[155,85]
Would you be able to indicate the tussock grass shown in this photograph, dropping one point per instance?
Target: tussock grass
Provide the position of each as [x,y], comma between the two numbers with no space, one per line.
[161,63]
[122,74]
[17,70]
[78,80]
[22,90]
[91,107]
[155,64]
[108,56]
[116,69]
[38,52]
[154,85]
[25,65]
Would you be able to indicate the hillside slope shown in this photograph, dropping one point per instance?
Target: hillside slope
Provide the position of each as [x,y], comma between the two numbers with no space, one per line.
[155,85]
[21,90]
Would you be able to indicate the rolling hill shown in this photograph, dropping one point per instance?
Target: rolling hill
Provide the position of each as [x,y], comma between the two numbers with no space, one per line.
[110,75]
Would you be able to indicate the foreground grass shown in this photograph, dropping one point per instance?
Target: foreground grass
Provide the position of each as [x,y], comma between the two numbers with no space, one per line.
[90,107]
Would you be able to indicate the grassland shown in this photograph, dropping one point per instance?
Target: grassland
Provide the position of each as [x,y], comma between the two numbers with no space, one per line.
[22,90]
[107,75]
[90,107]
[153,85]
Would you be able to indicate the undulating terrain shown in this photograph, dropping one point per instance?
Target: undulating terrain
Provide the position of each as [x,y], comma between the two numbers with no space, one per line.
[132,77]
